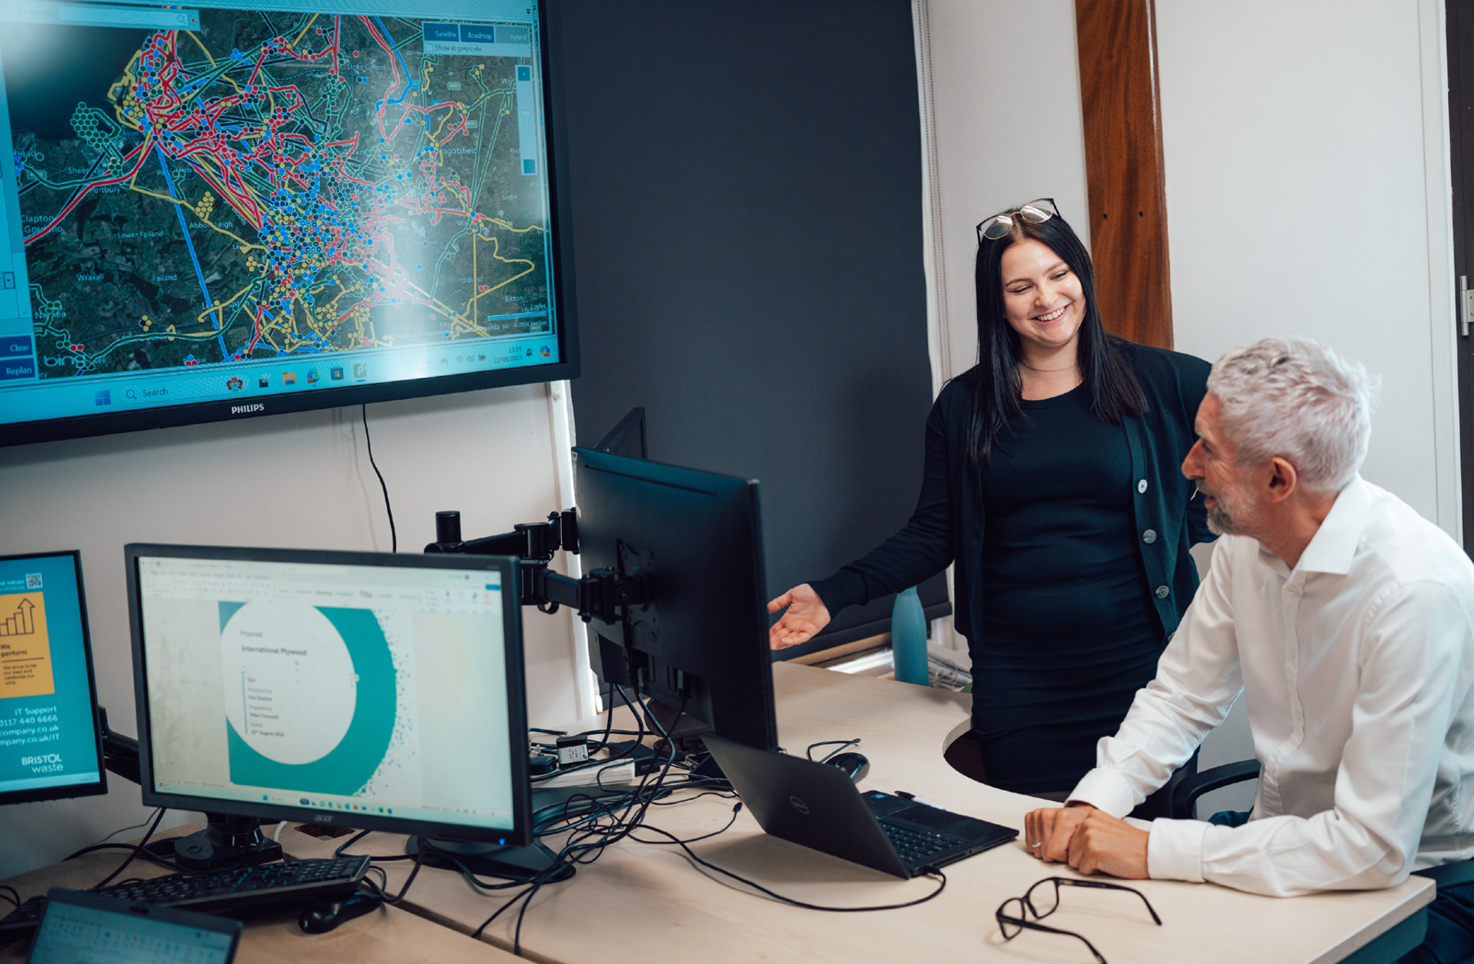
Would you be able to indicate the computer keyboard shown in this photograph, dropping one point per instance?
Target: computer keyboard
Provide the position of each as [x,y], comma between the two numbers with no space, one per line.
[916,845]
[222,890]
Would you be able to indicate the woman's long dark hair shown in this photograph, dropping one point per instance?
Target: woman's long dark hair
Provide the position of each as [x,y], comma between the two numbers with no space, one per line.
[1110,386]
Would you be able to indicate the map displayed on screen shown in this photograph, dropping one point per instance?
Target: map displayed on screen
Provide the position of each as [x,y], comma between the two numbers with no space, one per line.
[285,184]
[221,203]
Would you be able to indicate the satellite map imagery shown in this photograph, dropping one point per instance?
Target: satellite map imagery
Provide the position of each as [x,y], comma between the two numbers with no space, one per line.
[272,185]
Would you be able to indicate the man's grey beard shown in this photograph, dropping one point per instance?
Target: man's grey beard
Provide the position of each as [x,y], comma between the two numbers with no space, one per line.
[1220,522]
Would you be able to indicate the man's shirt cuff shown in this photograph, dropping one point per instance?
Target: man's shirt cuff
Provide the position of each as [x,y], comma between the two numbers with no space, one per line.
[1174,851]
[1105,790]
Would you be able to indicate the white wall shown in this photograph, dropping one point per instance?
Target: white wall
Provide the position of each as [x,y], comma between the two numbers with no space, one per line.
[1005,127]
[297,481]
[1308,193]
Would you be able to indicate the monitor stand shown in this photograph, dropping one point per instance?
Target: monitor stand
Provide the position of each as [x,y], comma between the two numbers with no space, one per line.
[516,863]
[684,729]
[225,844]
[488,859]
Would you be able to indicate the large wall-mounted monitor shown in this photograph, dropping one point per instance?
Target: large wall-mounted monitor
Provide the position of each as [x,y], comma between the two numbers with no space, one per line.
[375,691]
[50,744]
[259,206]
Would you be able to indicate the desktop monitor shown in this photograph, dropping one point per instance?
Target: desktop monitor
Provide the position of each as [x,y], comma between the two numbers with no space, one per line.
[237,208]
[50,743]
[367,690]
[701,639]
[628,437]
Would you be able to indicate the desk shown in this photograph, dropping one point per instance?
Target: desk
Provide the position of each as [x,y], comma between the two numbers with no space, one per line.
[387,936]
[647,903]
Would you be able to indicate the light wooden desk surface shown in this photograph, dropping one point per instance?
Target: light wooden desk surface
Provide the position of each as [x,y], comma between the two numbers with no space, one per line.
[648,903]
[386,936]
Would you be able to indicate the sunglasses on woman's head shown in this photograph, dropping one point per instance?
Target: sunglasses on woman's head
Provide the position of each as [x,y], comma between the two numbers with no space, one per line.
[998,226]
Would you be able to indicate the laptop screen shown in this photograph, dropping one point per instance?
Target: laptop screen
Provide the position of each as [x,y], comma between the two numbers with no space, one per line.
[82,928]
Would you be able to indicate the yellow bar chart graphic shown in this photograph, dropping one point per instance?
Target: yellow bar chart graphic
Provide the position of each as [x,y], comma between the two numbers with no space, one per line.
[25,646]
[23,623]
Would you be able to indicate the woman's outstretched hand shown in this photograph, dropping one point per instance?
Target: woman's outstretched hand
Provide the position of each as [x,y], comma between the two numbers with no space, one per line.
[806,615]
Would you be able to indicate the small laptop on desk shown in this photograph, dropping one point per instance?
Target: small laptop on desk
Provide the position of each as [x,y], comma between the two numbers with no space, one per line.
[816,805]
[79,927]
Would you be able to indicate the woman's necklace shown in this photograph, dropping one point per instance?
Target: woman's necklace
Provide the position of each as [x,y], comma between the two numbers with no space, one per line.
[1047,370]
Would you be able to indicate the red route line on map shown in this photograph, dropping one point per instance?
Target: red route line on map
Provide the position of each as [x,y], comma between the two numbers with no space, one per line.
[82,192]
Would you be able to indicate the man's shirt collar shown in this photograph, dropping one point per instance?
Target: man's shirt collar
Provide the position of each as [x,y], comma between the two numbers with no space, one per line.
[1334,544]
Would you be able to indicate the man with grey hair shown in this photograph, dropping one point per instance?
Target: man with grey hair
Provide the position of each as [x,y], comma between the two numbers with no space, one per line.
[1346,620]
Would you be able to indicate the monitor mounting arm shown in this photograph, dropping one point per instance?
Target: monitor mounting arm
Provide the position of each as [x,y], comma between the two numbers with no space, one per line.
[601,594]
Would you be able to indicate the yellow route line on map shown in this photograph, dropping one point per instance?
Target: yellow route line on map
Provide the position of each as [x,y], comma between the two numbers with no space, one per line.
[133,186]
[148,193]
[497,255]
[220,308]
[190,34]
[508,226]
[290,341]
[471,305]
[439,144]
[305,28]
[245,245]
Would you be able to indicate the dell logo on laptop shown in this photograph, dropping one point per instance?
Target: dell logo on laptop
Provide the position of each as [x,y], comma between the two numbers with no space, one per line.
[799,805]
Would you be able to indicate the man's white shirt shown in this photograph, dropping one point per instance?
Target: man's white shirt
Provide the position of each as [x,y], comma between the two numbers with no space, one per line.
[1357,668]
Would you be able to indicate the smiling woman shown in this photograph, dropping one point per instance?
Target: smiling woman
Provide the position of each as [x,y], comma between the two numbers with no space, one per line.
[1052,488]
[1044,304]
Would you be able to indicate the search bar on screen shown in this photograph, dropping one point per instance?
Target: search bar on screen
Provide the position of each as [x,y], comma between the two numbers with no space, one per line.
[96,15]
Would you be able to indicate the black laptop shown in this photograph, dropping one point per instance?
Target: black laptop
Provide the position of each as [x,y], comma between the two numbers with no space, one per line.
[78,927]
[816,805]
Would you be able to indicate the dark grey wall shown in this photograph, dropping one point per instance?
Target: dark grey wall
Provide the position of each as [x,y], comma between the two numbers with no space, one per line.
[746,191]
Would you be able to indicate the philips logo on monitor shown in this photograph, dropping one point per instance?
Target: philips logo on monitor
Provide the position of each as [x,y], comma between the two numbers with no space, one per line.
[247,409]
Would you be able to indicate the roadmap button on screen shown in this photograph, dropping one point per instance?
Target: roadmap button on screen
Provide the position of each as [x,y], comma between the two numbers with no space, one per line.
[15,346]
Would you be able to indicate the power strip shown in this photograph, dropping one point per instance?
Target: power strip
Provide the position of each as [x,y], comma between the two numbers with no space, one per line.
[614,774]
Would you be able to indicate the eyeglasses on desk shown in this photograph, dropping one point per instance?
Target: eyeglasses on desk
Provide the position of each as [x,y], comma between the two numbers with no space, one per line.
[1042,899]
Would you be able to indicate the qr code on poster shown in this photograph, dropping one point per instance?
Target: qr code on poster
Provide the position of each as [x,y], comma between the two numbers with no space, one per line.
[33,580]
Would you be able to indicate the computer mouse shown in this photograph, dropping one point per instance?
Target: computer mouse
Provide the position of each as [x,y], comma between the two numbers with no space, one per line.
[854,764]
[324,913]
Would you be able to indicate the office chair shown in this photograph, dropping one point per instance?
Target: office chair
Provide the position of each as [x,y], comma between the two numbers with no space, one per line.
[1185,794]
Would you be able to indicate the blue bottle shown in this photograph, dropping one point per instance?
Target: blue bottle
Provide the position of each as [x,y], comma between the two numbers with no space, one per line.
[908,639]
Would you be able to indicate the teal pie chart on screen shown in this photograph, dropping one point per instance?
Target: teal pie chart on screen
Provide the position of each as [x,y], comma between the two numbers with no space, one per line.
[309,696]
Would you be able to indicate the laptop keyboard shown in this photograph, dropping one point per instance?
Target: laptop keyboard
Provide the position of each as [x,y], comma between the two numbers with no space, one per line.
[292,880]
[916,846]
